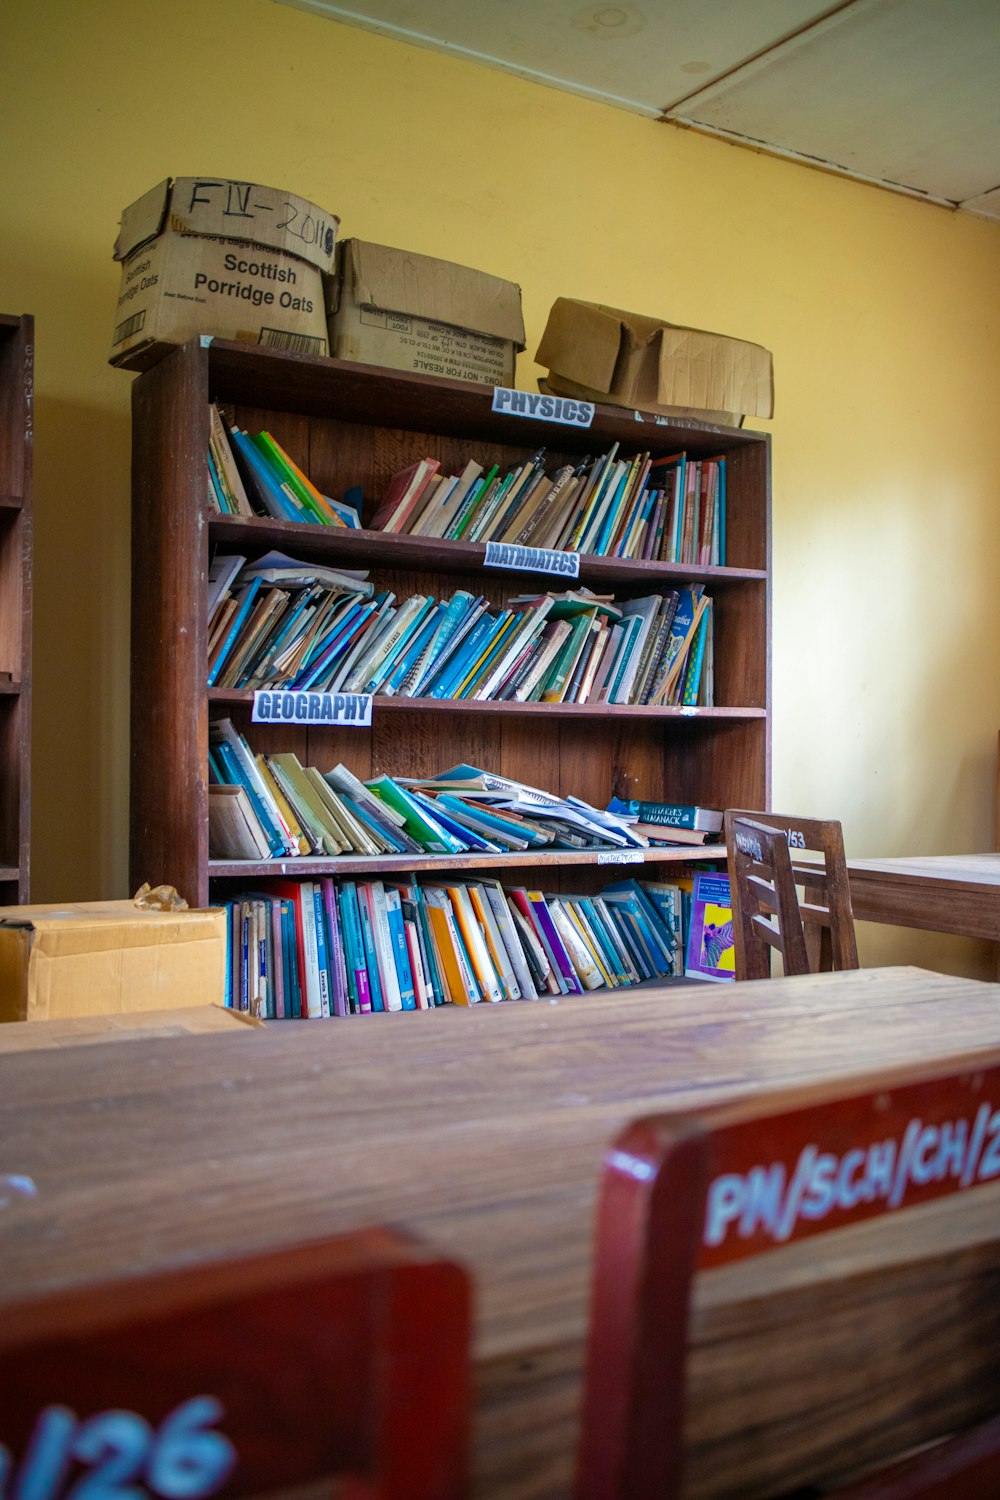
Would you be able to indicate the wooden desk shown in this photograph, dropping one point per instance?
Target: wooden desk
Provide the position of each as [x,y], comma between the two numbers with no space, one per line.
[480,1130]
[954,893]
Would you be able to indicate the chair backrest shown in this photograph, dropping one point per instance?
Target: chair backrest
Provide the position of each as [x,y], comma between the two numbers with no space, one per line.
[767,911]
[346,1360]
[799,1368]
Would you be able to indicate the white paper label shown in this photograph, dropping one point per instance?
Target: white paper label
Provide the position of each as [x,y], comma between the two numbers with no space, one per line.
[354,709]
[620,857]
[688,711]
[563,409]
[538,559]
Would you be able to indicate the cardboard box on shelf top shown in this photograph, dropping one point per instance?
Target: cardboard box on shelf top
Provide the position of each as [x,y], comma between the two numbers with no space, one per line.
[626,359]
[413,312]
[213,256]
[108,957]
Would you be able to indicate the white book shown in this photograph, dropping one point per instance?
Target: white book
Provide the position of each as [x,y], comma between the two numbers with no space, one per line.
[479,897]
[345,781]
[384,947]
[545,658]
[587,971]
[505,926]
[226,731]
[222,570]
[361,647]
[234,829]
[437,523]
[479,953]
[313,993]
[532,625]
[421,989]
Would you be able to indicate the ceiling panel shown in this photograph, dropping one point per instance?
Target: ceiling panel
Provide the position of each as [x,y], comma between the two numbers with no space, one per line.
[901,92]
[642,56]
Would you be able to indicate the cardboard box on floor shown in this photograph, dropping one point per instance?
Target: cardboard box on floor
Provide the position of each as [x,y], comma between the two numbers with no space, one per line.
[413,312]
[108,957]
[231,259]
[625,359]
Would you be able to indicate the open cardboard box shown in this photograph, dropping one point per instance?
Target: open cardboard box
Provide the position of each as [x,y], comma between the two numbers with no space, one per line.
[601,353]
[413,312]
[231,259]
[108,957]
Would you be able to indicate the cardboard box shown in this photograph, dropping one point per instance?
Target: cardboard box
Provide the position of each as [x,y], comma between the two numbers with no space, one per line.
[603,354]
[232,259]
[107,957]
[412,312]
[81,1031]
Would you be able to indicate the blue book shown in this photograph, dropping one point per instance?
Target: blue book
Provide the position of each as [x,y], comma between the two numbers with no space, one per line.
[233,774]
[392,656]
[468,836]
[221,504]
[611,515]
[247,595]
[494,819]
[414,650]
[386,830]
[609,947]
[397,932]
[290,957]
[458,665]
[347,907]
[261,482]
[324,666]
[214,771]
[662,937]
[432,970]
[371,957]
[322,950]
[457,611]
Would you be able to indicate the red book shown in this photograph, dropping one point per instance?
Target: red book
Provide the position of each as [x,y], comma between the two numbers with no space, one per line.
[403,494]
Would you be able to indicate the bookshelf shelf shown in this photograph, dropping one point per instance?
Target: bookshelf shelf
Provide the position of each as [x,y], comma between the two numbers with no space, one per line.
[355,426]
[17,344]
[384,864]
[380,549]
[230,698]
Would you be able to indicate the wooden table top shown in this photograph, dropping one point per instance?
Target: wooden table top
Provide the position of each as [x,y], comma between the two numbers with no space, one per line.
[481,1131]
[944,869]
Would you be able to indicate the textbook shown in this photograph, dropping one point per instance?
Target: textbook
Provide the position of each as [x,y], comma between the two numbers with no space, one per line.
[711,953]
[671,814]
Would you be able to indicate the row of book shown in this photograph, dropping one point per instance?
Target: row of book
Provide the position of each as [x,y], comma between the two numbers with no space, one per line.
[307,949]
[669,509]
[253,475]
[276,624]
[270,806]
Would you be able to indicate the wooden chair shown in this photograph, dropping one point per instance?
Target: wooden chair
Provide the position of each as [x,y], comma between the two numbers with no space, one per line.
[715,1372]
[347,1360]
[813,933]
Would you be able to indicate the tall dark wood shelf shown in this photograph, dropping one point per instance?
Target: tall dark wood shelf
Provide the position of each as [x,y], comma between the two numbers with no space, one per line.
[355,425]
[17,363]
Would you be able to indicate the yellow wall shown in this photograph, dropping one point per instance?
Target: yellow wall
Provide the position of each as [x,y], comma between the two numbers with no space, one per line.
[881,313]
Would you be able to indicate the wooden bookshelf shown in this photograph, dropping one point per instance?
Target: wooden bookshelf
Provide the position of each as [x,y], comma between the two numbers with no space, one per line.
[17,350]
[355,425]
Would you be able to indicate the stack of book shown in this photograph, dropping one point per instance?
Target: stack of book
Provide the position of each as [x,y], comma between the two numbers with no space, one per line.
[281,624]
[658,509]
[270,806]
[254,476]
[306,949]
[670,822]
[277,622]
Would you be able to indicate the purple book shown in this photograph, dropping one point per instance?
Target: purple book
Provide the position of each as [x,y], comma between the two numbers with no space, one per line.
[554,943]
[338,968]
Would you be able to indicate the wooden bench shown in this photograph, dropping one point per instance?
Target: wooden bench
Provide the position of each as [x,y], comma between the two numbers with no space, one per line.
[345,1359]
[802,1361]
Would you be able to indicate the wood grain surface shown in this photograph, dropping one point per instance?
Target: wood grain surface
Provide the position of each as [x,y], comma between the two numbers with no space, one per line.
[481,1131]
